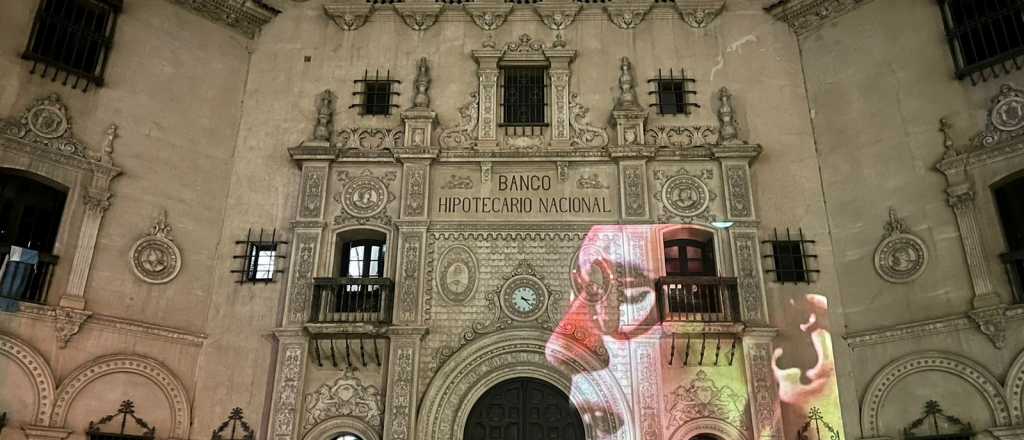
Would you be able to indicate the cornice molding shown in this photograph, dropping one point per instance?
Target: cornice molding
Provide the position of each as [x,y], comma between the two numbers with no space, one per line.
[921,329]
[806,16]
[245,17]
[113,323]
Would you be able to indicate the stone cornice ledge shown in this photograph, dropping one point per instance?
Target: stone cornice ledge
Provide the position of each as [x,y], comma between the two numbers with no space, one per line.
[923,328]
[129,326]
[246,16]
[805,16]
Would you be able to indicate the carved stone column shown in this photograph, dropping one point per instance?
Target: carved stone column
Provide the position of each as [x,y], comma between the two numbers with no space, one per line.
[97,201]
[747,261]
[633,189]
[647,376]
[402,389]
[487,70]
[409,308]
[416,182]
[763,391]
[739,203]
[290,372]
[961,199]
[560,77]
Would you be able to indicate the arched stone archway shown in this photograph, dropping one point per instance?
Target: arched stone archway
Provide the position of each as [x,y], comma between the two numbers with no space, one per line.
[326,429]
[707,425]
[960,366]
[1015,388]
[522,353]
[151,369]
[33,364]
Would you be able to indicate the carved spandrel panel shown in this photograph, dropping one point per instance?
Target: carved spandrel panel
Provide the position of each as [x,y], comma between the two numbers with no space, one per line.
[314,182]
[363,195]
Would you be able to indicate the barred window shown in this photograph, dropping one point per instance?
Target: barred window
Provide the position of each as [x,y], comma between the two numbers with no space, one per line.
[789,258]
[673,92]
[377,93]
[524,96]
[986,37]
[71,40]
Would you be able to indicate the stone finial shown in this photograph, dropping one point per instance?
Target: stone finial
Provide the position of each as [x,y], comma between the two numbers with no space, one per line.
[422,98]
[627,91]
[106,156]
[895,225]
[727,131]
[947,140]
[324,116]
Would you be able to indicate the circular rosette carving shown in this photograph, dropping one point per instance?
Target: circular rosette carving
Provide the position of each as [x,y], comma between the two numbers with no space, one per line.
[523,298]
[364,196]
[685,195]
[1008,114]
[457,273]
[155,259]
[900,258]
[47,121]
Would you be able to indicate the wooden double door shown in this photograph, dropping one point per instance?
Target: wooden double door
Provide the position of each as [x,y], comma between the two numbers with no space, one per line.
[524,409]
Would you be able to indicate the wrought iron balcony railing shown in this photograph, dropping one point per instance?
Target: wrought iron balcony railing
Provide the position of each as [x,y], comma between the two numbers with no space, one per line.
[26,278]
[352,300]
[698,299]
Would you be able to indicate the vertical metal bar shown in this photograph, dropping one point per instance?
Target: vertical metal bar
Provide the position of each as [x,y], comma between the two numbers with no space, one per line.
[686,357]
[672,354]
[703,342]
[319,361]
[334,357]
[348,353]
[362,352]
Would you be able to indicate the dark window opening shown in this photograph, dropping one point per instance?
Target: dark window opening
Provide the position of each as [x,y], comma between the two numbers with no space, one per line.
[673,92]
[377,93]
[986,37]
[1010,203]
[72,39]
[524,96]
[363,258]
[789,258]
[30,214]
[687,257]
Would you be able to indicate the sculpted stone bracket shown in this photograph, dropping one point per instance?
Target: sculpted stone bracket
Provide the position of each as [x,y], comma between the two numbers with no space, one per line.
[67,322]
[419,15]
[245,17]
[992,322]
[489,15]
[629,14]
[901,256]
[557,14]
[348,16]
[805,16]
[699,13]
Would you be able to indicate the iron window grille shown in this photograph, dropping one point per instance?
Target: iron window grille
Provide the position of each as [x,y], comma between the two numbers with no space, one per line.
[259,258]
[986,38]
[790,260]
[73,38]
[376,92]
[673,94]
[524,100]
[126,410]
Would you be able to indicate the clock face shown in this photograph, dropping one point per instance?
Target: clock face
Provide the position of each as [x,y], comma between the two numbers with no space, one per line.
[523,298]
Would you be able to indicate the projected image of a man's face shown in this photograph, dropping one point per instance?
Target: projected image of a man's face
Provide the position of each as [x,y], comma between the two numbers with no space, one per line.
[614,278]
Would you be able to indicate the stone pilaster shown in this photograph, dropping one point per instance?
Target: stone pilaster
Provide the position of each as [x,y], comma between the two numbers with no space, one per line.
[763,391]
[97,201]
[961,199]
[416,182]
[487,71]
[739,204]
[290,372]
[409,302]
[561,132]
[314,191]
[647,376]
[747,261]
[403,358]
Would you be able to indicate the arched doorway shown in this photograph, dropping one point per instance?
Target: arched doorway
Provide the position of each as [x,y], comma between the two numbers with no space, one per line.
[521,409]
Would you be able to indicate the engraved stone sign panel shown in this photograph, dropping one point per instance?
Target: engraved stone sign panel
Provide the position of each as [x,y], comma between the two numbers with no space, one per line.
[540,191]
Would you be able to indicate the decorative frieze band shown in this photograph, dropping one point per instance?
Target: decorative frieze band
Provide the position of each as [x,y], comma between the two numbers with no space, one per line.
[805,16]
[245,17]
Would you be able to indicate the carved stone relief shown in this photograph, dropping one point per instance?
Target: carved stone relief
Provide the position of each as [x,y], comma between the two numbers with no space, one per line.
[349,16]
[1005,118]
[155,258]
[67,322]
[633,183]
[416,193]
[346,396]
[301,282]
[763,391]
[702,397]
[739,191]
[592,181]
[290,372]
[407,303]
[681,136]
[312,192]
[458,182]
[647,370]
[419,16]
[46,123]
[462,135]
[557,15]
[489,16]
[992,323]
[901,256]
[628,15]
[246,18]
[369,139]
[805,17]
[700,14]
[401,400]
[365,197]
[584,134]
[684,196]
[456,273]
[747,272]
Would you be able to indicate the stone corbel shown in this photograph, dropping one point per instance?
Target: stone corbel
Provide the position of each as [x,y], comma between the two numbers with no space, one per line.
[419,15]
[348,16]
[699,13]
[992,322]
[67,322]
[628,15]
[557,14]
[488,14]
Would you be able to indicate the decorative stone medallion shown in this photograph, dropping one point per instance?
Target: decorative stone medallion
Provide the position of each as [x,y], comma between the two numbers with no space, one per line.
[685,195]
[364,196]
[457,273]
[1008,114]
[48,121]
[523,298]
[900,257]
[155,258]
[591,274]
